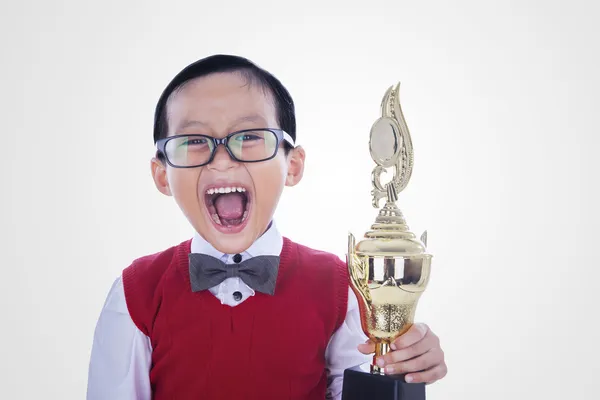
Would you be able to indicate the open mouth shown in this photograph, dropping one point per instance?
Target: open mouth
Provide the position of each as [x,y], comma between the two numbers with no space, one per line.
[228,206]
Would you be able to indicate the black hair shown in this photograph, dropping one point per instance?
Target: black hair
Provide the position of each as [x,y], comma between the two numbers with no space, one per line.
[284,105]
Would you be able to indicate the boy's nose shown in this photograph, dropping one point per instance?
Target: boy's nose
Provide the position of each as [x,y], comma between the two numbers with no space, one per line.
[222,160]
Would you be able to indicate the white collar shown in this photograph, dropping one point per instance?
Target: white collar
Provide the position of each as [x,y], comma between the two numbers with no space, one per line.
[269,244]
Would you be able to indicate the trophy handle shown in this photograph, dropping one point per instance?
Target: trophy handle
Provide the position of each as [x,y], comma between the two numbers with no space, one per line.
[424,238]
[358,270]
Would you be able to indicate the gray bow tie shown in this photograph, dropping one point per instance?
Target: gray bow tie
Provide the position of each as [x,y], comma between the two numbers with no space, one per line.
[260,273]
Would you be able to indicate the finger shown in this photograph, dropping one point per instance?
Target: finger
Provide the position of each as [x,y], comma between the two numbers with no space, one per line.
[410,337]
[421,347]
[424,362]
[429,376]
[367,348]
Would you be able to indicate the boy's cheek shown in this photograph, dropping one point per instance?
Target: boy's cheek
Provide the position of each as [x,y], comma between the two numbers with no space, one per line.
[184,185]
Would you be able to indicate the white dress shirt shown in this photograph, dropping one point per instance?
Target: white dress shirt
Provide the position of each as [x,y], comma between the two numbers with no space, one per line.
[122,355]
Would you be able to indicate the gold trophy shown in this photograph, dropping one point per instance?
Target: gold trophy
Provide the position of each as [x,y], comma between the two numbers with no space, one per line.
[389,269]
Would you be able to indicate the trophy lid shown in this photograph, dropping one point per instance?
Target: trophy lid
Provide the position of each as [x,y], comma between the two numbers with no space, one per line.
[390,236]
[391,147]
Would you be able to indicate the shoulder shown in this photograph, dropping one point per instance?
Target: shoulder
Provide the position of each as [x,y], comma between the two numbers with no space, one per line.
[328,275]
[320,262]
[142,281]
[115,300]
[150,268]
[309,253]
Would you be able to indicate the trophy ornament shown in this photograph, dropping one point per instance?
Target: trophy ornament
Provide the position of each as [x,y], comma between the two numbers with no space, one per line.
[390,145]
[389,269]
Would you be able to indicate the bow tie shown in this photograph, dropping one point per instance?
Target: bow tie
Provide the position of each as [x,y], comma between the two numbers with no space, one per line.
[260,273]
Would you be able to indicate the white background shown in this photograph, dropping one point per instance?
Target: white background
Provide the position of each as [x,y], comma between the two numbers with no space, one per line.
[501,99]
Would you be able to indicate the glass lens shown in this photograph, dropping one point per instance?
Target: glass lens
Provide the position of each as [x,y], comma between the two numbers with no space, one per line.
[185,151]
[253,145]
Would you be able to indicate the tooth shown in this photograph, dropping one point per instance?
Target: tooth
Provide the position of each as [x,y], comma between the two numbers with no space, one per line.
[227,190]
[245,215]
[221,190]
[215,218]
[210,191]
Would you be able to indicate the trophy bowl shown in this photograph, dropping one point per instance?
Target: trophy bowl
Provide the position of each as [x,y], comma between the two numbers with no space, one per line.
[388,276]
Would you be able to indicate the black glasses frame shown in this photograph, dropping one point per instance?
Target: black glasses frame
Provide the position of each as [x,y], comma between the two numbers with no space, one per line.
[280,135]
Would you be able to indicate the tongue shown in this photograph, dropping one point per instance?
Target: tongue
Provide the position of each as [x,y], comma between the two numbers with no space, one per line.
[230,206]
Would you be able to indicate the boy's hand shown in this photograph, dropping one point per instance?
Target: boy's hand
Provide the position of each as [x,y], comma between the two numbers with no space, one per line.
[416,353]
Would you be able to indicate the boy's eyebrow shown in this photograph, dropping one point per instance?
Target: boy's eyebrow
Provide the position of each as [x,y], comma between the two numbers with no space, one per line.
[188,123]
[248,118]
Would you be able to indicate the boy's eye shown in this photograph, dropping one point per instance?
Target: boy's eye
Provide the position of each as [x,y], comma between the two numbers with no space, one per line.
[248,136]
[194,141]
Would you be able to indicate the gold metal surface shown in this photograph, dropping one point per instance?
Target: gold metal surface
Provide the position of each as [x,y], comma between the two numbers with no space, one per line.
[389,269]
[380,349]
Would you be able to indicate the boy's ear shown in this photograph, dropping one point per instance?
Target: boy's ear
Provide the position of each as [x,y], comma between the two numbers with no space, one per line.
[295,166]
[159,173]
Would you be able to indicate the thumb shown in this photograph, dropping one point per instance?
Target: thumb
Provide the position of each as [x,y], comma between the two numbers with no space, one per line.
[367,348]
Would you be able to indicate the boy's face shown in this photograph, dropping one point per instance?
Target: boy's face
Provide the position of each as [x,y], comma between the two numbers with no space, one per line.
[216,105]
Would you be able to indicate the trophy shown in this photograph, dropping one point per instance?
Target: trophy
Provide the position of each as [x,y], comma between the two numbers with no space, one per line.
[388,269]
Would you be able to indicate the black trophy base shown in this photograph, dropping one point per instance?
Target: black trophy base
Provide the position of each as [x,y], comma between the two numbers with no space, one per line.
[362,385]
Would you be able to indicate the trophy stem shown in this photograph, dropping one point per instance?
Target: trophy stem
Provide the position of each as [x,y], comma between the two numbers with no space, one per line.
[381,348]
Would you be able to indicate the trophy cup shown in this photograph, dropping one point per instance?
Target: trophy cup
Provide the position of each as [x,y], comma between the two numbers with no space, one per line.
[388,269]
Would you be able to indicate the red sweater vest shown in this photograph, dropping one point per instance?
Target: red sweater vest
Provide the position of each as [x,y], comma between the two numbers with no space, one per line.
[268,347]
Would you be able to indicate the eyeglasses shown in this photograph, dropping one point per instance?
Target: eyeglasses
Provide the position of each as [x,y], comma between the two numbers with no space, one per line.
[249,145]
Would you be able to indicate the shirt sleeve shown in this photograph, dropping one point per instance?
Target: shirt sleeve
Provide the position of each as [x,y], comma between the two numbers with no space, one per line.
[342,351]
[121,354]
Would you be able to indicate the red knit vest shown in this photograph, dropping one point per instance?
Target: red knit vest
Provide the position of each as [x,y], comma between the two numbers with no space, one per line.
[268,347]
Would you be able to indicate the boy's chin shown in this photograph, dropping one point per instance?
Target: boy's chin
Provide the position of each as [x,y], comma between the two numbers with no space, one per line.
[232,243]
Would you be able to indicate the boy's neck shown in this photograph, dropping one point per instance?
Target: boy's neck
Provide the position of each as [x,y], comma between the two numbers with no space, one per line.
[269,243]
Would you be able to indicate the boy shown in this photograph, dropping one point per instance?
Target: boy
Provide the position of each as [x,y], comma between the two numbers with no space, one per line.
[237,311]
